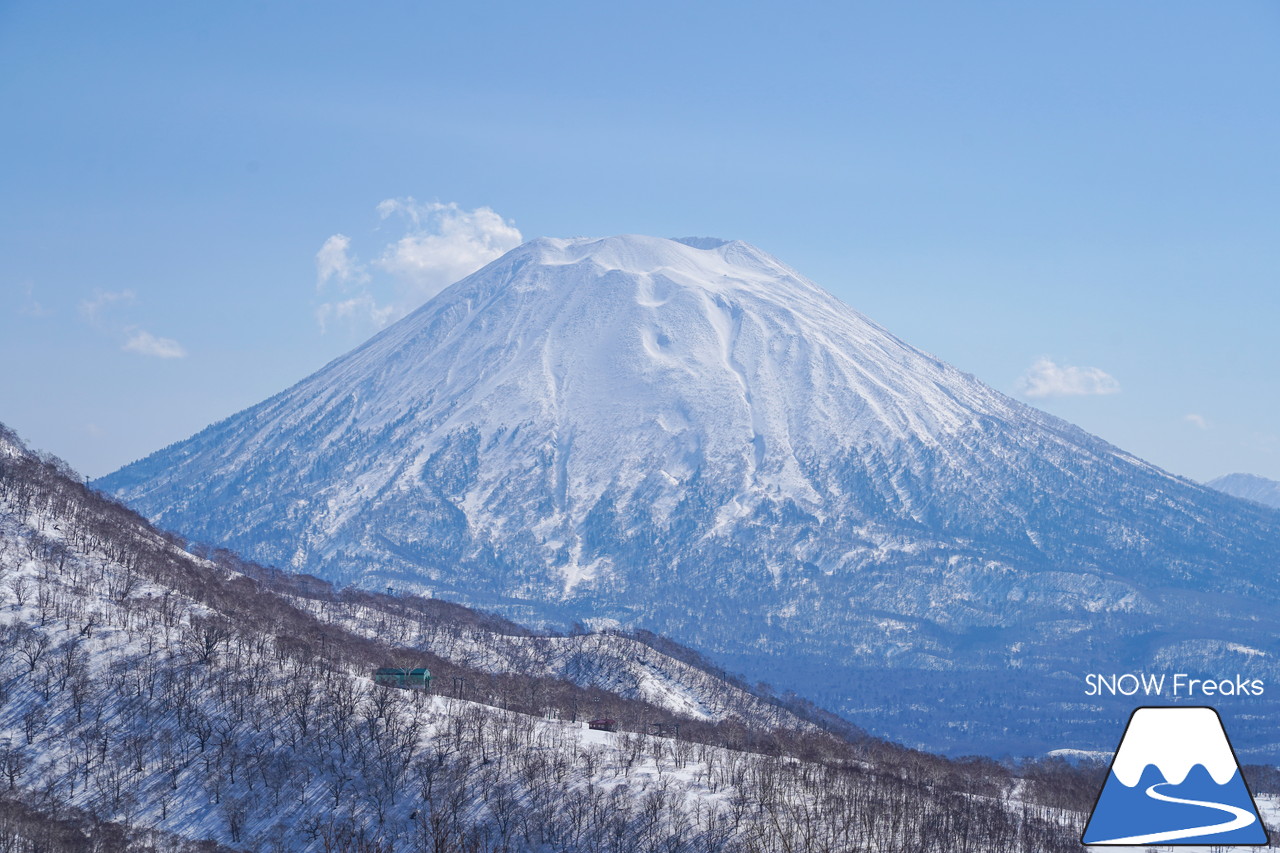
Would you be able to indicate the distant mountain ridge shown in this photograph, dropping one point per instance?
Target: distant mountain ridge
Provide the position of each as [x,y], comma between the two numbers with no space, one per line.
[692,438]
[1250,487]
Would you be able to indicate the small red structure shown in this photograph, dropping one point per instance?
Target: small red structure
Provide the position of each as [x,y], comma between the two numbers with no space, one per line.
[603,725]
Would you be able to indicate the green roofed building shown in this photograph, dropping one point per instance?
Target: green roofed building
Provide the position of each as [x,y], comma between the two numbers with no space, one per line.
[391,676]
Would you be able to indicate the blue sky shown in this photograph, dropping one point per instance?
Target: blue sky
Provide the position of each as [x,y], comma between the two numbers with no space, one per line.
[1057,197]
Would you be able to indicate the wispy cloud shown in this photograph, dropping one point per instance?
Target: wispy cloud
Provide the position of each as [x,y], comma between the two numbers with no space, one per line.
[444,243]
[142,342]
[358,310]
[99,311]
[1197,421]
[30,306]
[334,262]
[438,243]
[95,307]
[1047,378]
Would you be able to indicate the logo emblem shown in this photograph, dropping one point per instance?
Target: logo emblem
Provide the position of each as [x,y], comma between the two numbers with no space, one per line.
[1175,780]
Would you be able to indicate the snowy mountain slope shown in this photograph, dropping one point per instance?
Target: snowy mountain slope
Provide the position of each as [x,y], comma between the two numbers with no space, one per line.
[1249,486]
[453,640]
[173,693]
[616,664]
[692,438]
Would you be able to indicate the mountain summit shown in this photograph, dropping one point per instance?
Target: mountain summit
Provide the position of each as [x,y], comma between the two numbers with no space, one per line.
[1250,487]
[689,436]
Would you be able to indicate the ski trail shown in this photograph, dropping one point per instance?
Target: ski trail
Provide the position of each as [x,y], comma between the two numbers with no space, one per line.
[1241,819]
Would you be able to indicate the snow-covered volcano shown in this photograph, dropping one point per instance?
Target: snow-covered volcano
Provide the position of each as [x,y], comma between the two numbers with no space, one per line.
[687,435]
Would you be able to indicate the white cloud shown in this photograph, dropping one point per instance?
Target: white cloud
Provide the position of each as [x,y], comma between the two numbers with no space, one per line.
[1197,421]
[440,244]
[444,243]
[143,342]
[357,309]
[93,308]
[97,311]
[334,261]
[1046,378]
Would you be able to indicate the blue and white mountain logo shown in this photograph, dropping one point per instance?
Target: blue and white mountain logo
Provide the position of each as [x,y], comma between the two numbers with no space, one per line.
[1175,780]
